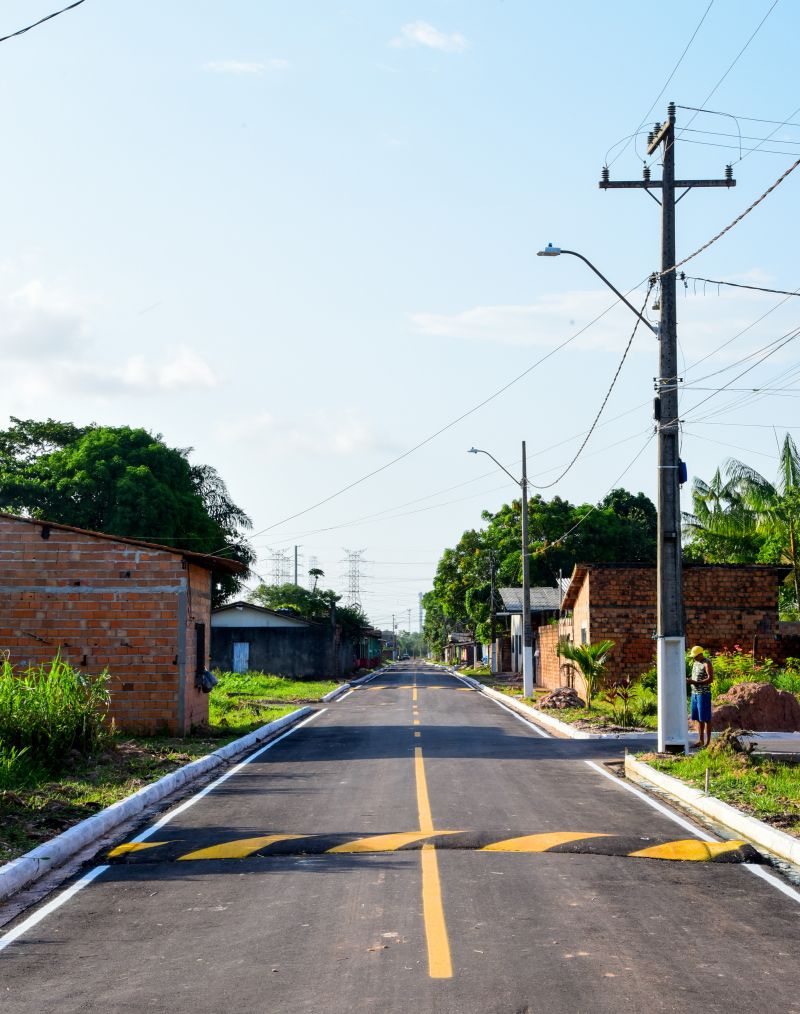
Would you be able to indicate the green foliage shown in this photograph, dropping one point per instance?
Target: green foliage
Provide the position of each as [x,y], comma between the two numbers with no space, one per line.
[121,481]
[315,605]
[16,769]
[243,702]
[744,518]
[591,659]
[47,711]
[621,528]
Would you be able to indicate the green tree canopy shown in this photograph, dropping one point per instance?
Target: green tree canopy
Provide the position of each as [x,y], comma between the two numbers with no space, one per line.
[621,528]
[124,482]
[741,517]
[315,605]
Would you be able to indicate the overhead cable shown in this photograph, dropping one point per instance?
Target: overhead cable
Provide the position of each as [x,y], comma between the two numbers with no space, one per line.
[736,285]
[41,21]
[577,454]
[442,429]
[666,85]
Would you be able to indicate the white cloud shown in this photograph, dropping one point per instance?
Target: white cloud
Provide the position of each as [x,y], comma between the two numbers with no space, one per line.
[322,434]
[423,33]
[242,68]
[704,321]
[46,345]
[36,321]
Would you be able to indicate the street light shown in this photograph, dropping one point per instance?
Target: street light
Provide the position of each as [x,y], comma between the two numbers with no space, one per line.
[556,251]
[527,633]
[671,643]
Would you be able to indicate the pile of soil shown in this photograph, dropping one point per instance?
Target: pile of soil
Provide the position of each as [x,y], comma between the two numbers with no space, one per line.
[759,707]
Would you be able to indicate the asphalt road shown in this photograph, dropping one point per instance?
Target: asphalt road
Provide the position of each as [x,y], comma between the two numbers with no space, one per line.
[415,848]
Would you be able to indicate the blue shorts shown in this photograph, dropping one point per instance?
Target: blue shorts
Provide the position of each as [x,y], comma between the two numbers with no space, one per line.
[701,707]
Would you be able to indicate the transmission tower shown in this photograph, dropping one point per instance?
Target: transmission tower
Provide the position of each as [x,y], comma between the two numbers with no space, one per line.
[280,566]
[354,560]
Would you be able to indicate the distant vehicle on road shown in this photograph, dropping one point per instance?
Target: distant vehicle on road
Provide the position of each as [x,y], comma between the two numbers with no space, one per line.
[405,658]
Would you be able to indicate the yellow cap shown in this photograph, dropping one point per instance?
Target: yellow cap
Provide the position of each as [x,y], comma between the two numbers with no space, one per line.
[696,650]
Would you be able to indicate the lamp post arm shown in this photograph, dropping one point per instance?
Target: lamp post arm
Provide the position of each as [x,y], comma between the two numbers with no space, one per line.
[494,459]
[614,289]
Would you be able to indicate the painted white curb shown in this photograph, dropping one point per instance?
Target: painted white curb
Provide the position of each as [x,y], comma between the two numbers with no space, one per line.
[542,717]
[778,842]
[34,864]
[333,695]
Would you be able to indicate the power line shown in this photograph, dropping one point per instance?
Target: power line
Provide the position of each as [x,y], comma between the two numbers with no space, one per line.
[442,429]
[736,220]
[737,116]
[666,85]
[604,402]
[41,21]
[736,285]
[733,64]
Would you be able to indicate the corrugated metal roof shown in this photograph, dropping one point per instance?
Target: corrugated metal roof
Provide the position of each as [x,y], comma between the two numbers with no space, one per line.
[543,599]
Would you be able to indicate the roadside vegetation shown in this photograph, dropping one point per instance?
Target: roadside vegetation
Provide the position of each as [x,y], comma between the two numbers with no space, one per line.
[61,759]
[760,786]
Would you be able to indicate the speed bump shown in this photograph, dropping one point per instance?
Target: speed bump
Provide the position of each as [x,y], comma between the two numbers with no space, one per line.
[595,843]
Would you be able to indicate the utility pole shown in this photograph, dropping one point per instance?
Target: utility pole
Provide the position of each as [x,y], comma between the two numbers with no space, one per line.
[492,613]
[394,637]
[295,565]
[527,638]
[670,632]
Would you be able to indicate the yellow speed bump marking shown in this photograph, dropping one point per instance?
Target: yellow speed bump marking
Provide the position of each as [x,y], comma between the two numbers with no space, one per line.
[386,842]
[688,849]
[539,842]
[134,846]
[239,848]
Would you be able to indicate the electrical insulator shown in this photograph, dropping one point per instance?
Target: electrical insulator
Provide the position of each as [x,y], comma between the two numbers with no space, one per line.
[650,137]
[728,172]
[605,174]
[646,173]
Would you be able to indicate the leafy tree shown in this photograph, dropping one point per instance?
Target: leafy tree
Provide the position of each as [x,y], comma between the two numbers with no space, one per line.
[621,528]
[745,518]
[124,482]
[591,659]
[315,605]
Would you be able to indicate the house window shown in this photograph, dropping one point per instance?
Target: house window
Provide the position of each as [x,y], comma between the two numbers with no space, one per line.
[584,637]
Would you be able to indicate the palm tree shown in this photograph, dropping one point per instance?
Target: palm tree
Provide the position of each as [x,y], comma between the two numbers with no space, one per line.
[316,573]
[749,514]
[591,659]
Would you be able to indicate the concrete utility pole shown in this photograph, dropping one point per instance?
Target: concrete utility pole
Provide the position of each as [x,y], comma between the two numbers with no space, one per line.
[492,613]
[671,647]
[295,564]
[527,631]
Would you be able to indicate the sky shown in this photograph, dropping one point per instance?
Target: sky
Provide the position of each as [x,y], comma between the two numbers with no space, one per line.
[301,239]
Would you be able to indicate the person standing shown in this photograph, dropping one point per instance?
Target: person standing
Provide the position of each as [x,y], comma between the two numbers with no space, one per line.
[700,681]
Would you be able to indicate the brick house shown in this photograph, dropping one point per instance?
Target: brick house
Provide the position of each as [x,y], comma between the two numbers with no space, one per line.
[142,611]
[725,605]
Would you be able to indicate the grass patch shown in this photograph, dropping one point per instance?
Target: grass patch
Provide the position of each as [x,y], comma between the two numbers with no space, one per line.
[762,787]
[40,800]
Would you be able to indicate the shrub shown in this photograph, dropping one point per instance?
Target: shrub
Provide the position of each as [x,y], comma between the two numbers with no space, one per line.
[46,711]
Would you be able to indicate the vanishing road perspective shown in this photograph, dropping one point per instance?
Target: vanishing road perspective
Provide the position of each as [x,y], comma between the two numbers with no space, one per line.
[414,847]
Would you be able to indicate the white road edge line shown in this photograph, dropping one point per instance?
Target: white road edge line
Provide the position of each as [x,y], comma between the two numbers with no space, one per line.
[212,785]
[757,871]
[516,714]
[345,695]
[73,889]
[51,906]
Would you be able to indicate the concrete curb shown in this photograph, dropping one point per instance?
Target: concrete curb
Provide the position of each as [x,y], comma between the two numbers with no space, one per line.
[777,842]
[44,858]
[549,721]
[336,692]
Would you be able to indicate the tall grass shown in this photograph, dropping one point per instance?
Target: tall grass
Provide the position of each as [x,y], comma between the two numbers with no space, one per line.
[49,710]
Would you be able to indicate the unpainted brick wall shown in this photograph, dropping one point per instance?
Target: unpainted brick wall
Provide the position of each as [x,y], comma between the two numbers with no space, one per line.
[724,605]
[104,604]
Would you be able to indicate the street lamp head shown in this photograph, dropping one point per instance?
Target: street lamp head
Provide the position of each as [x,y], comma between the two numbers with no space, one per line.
[549,251]
[472,450]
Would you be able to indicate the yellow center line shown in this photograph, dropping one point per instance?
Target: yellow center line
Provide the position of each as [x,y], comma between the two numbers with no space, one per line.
[417,735]
[416,721]
[440,965]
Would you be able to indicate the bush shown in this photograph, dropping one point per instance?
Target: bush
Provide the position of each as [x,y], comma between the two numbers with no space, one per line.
[46,711]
